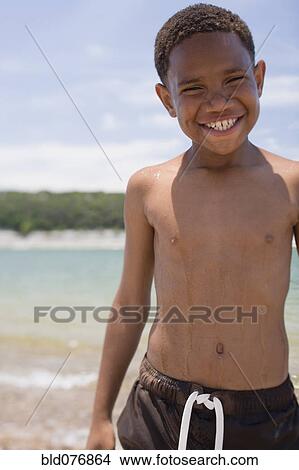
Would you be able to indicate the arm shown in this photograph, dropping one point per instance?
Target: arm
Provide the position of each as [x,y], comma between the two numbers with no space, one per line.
[121,339]
[296,198]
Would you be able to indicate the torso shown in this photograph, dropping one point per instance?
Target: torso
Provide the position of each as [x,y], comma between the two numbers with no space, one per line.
[222,239]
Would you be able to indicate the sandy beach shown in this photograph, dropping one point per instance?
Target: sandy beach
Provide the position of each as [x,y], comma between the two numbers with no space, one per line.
[61,419]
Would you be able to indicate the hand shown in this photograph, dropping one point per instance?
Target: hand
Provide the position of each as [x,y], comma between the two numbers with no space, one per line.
[101,436]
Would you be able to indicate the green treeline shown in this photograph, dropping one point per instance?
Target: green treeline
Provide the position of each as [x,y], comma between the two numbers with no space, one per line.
[25,212]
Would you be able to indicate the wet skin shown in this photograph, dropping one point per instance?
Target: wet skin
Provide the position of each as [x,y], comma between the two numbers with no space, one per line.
[222,239]
[218,225]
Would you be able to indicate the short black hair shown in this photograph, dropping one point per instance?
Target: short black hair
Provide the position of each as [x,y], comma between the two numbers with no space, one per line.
[197,18]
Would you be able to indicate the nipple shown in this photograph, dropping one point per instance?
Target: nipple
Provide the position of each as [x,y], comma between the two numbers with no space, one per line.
[269,238]
[219,348]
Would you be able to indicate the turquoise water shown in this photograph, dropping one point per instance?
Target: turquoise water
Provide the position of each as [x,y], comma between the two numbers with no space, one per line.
[50,278]
[82,278]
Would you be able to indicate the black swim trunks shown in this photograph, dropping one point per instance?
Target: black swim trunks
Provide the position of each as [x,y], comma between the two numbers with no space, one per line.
[223,419]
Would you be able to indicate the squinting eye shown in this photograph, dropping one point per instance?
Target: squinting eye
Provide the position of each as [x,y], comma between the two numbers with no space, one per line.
[235,78]
[193,88]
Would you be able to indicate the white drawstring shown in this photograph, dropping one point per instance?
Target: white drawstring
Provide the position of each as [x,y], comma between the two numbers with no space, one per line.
[215,404]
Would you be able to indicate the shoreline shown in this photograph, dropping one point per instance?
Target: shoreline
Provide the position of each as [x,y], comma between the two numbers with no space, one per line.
[105,239]
[98,239]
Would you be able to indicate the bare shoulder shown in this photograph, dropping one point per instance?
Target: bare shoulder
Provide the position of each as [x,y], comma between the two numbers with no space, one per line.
[288,170]
[145,178]
[281,164]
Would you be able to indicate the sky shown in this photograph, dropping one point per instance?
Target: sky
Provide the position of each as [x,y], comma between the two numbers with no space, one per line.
[103,53]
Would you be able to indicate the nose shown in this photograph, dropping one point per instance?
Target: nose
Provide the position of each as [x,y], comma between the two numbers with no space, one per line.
[216,101]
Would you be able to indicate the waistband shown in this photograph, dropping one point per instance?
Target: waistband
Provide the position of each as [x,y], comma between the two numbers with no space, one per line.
[234,402]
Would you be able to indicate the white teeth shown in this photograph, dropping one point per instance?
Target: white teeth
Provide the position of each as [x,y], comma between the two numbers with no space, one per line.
[222,125]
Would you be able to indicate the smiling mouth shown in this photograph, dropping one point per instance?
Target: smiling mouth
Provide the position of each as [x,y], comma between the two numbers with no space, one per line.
[222,127]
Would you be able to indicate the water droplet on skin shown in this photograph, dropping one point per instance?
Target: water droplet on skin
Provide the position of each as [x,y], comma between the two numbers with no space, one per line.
[173,239]
[157,175]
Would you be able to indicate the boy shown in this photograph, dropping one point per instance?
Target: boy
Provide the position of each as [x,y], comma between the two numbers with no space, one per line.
[214,225]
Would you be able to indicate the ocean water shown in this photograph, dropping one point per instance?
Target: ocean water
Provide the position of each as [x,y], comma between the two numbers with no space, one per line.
[76,278]
[52,278]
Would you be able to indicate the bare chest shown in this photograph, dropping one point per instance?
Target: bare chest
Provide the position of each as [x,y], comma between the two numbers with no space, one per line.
[229,212]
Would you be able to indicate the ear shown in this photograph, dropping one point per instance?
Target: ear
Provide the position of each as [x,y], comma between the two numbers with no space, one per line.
[259,73]
[165,97]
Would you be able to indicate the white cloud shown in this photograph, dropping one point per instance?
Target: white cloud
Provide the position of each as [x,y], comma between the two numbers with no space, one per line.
[110,122]
[138,93]
[288,151]
[59,167]
[47,102]
[129,93]
[262,131]
[160,120]
[11,65]
[289,51]
[282,91]
[97,51]
[20,65]
[294,126]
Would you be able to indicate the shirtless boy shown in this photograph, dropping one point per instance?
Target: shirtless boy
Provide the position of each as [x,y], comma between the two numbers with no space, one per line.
[214,226]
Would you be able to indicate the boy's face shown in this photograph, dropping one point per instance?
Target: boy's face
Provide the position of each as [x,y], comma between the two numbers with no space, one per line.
[221,79]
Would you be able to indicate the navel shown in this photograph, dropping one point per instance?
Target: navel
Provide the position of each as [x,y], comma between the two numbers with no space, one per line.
[219,348]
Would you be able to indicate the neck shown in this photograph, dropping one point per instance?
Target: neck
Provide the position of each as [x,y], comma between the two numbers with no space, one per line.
[245,155]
